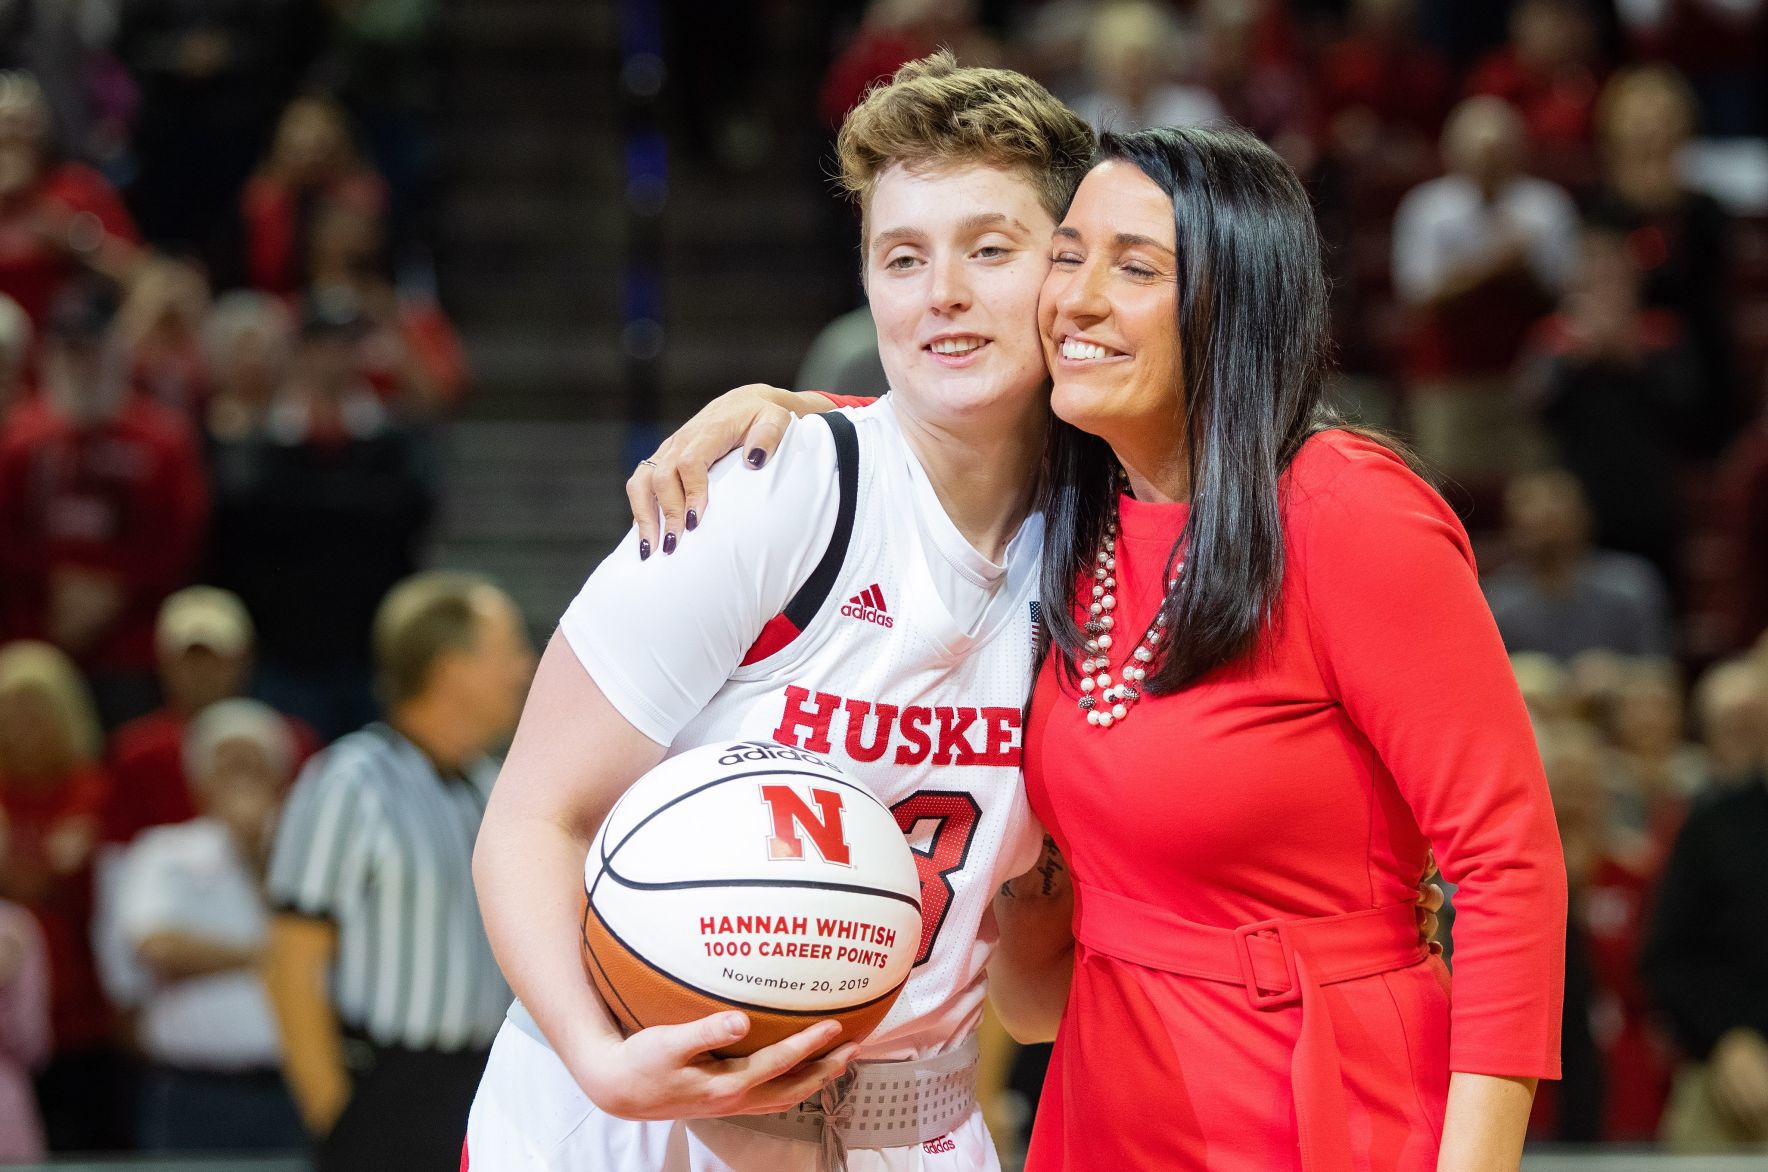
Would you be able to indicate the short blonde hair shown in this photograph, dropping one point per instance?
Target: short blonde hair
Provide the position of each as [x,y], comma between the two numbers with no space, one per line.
[935,113]
[31,666]
[422,618]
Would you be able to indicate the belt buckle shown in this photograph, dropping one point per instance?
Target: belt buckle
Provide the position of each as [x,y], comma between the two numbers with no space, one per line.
[1249,976]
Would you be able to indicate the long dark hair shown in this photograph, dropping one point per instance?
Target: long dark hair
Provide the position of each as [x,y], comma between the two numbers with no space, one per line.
[1253,331]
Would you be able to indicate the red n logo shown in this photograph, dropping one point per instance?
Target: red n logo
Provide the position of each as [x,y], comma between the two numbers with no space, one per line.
[792,814]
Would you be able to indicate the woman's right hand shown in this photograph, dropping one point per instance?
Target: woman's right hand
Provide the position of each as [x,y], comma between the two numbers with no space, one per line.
[668,1072]
[672,482]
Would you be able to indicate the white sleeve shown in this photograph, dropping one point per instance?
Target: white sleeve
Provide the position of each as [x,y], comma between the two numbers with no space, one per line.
[116,934]
[661,636]
[1553,252]
[1416,266]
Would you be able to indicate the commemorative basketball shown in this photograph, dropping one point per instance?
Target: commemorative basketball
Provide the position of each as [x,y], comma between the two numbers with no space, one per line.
[751,876]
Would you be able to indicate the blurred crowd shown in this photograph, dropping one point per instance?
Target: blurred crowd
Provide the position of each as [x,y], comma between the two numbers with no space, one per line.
[1548,227]
[221,361]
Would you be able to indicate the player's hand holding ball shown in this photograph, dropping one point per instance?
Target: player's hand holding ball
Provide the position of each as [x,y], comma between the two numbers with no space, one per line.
[668,1071]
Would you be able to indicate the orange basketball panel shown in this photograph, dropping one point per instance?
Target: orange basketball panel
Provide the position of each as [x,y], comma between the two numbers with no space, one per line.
[639,996]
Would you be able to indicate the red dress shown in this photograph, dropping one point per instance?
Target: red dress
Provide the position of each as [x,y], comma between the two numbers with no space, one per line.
[1378,719]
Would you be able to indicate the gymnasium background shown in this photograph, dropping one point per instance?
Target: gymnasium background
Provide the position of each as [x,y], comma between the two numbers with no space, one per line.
[550,229]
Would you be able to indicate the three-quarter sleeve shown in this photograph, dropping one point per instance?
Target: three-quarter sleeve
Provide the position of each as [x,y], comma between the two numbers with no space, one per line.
[1406,644]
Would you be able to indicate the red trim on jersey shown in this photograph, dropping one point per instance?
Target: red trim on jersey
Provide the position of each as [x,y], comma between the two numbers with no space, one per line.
[463,1156]
[779,632]
[848,400]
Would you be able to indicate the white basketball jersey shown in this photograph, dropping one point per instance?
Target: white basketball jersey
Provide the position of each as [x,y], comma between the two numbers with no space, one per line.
[921,704]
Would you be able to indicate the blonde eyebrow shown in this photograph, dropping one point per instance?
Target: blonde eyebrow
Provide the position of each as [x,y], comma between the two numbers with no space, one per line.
[897,236]
[981,220]
[969,225]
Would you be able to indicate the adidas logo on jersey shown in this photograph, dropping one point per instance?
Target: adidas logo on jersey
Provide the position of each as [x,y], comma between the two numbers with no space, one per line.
[868,605]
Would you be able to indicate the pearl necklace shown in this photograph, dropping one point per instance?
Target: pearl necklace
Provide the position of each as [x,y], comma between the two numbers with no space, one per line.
[1106,702]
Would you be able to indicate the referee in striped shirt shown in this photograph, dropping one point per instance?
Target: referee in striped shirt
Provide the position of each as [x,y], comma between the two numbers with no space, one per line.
[383,982]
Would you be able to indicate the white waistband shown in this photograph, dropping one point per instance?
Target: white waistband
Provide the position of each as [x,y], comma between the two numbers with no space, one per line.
[882,1104]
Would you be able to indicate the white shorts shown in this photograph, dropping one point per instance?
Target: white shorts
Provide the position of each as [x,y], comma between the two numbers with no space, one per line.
[531,1116]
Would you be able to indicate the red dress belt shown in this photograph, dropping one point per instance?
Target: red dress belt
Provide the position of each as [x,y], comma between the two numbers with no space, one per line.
[1279,963]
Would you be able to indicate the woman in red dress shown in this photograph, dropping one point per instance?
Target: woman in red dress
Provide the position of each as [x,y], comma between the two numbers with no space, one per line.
[1277,689]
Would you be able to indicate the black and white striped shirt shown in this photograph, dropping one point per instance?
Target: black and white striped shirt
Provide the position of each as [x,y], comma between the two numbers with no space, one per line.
[378,841]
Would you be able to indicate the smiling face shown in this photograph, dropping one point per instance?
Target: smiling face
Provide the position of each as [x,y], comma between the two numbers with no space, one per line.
[1109,314]
[955,257]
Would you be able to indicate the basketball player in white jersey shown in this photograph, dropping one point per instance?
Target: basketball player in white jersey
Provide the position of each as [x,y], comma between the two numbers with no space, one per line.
[897,640]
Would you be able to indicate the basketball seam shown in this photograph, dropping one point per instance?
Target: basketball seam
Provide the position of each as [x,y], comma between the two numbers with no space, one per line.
[720,997]
[688,884]
[607,978]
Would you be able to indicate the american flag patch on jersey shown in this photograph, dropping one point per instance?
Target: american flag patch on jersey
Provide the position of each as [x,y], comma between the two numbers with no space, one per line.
[1037,619]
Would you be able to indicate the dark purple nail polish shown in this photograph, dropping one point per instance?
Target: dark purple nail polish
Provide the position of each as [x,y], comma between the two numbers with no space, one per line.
[644,549]
[669,543]
[756,457]
[693,520]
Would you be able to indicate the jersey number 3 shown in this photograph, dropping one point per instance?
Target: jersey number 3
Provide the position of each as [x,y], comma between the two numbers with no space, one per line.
[953,815]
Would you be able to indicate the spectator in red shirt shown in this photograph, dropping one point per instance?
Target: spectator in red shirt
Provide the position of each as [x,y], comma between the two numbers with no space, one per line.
[409,352]
[312,165]
[1385,92]
[1611,876]
[1547,71]
[204,639]
[1257,84]
[52,795]
[102,508]
[57,219]
[893,33]
[160,327]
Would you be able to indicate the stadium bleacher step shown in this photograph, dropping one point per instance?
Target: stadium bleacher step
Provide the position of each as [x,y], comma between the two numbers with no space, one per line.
[534,239]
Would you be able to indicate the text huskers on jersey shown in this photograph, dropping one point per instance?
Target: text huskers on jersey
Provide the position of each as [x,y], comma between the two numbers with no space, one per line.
[944,735]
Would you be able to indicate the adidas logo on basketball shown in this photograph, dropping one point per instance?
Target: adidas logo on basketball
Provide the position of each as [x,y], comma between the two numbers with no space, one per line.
[868,605]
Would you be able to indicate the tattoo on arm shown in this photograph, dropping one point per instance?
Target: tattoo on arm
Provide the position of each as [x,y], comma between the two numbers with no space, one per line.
[1051,866]
[1049,870]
